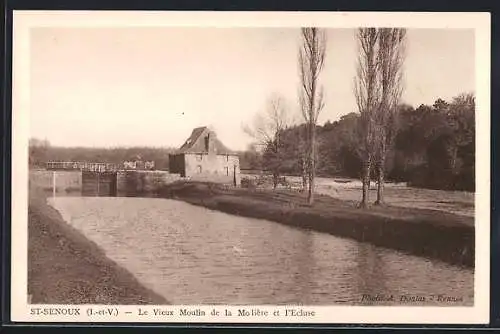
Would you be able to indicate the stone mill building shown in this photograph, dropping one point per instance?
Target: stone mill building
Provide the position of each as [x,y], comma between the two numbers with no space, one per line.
[204,157]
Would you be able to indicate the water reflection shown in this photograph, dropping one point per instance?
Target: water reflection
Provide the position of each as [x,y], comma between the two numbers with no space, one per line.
[370,272]
[192,255]
[304,263]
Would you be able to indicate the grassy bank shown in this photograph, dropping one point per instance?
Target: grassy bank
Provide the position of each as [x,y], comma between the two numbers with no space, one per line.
[427,233]
[64,267]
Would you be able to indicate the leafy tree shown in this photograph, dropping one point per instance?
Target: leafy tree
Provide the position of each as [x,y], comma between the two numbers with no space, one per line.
[434,146]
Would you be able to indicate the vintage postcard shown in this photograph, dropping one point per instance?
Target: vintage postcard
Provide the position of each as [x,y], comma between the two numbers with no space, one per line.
[250,167]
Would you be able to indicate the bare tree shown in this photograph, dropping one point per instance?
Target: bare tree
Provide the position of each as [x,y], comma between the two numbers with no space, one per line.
[367,92]
[303,157]
[390,58]
[311,59]
[267,130]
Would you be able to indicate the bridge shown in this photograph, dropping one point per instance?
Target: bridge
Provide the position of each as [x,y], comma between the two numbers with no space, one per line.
[99,166]
[83,166]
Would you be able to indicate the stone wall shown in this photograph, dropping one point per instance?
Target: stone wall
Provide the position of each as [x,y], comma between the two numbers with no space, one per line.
[213,168]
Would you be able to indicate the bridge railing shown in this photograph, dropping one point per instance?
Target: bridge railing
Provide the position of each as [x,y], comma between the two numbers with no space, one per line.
[82,166]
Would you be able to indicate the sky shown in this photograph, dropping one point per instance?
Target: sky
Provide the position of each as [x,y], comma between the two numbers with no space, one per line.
[106,87]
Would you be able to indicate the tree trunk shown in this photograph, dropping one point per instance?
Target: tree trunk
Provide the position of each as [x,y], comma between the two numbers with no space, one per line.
[454,154]
[275,180]
[234,176]
[366,183]
[276,173]
[312,164]
[304,175]
[380,172]
[380,181]
[310,195]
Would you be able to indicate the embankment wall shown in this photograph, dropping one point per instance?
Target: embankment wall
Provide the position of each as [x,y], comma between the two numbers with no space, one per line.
[65,181]
[122,183]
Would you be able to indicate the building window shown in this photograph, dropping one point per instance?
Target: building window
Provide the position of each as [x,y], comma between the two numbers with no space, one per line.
[199,157]
[227,157]
[199,169]
[227,170]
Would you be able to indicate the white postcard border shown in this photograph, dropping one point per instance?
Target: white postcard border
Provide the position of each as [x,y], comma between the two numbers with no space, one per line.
[23,21]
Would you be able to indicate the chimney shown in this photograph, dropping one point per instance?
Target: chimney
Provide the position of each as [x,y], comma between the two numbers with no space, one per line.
[207,142]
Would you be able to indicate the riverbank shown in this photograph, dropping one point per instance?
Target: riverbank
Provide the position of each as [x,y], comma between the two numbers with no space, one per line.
[427,233]
[64,267]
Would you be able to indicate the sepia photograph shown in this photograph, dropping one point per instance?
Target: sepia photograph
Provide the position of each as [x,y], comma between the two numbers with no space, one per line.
[291,166]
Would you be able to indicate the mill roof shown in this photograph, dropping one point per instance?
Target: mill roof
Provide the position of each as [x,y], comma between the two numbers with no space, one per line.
[196,144]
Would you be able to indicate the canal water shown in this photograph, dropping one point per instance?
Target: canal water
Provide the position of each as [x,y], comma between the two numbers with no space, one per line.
[192,255]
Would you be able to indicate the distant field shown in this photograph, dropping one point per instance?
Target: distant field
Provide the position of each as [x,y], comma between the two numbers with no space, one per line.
[458,202]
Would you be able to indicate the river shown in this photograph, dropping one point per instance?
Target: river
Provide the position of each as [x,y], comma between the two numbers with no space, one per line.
[192,255]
